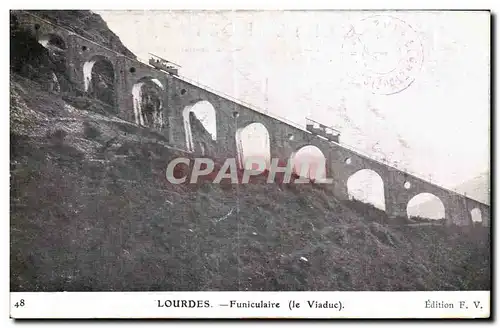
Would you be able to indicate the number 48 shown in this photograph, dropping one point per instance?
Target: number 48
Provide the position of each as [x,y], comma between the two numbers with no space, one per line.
[20,303]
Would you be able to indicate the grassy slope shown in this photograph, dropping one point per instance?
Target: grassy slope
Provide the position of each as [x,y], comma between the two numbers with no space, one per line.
[91,210]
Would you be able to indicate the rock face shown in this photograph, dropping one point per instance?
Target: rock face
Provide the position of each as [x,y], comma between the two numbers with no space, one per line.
[31,60]
[87,24]
[91,209]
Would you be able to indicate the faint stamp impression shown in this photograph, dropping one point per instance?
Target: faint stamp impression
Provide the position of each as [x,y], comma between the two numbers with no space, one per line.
[384,54]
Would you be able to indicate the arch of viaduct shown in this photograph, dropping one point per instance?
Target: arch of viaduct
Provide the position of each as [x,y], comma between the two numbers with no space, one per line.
[179,94]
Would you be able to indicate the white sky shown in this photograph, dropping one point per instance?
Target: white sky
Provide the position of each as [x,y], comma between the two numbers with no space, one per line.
[290,63]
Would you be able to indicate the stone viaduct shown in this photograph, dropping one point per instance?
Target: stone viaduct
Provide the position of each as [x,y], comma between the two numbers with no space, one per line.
[178,95]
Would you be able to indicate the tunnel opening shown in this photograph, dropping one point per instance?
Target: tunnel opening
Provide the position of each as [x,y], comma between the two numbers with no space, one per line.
[52,42]
[200,125]
[99,79]
[367,186]
[426,206]
[56,49]
[476,216]
[309,162]
[148,103]
[253,147]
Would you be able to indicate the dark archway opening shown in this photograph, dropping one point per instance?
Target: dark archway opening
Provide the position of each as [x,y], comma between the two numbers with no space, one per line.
[100,79]
[148,103]
[52,42]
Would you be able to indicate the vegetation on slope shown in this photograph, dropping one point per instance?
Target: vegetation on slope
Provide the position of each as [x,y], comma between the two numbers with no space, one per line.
[91,210]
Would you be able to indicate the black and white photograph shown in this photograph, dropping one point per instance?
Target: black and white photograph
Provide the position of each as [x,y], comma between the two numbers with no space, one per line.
[158,152]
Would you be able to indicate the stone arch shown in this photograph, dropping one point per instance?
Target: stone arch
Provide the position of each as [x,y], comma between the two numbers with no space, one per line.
[253,141]
[147,94]
[99,79]
[476,215]
[426,205]
[309,162]
[52,41]
[367,186]
[204,112]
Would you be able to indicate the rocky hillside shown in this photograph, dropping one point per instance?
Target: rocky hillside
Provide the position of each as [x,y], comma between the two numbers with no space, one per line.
[91,210]
[87,24]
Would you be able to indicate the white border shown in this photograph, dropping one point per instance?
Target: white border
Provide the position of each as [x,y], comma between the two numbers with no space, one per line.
[260,4]
[276,305]
[191,4]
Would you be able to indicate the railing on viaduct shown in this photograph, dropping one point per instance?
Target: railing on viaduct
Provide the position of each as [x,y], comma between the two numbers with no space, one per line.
[181,92]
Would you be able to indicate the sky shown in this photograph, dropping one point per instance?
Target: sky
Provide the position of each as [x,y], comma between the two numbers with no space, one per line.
[298,64]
